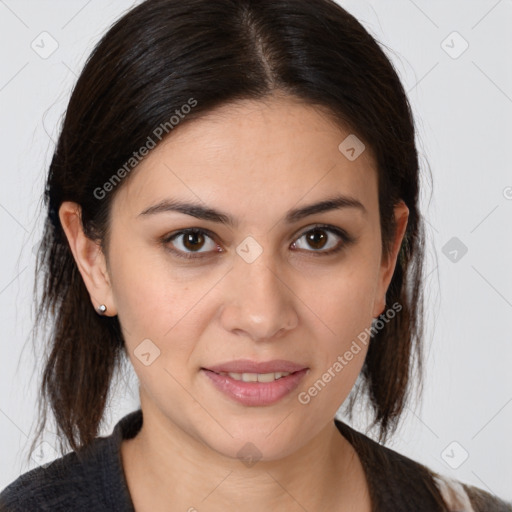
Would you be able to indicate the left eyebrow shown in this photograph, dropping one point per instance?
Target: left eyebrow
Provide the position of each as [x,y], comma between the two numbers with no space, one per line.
[335,203]
[338,202]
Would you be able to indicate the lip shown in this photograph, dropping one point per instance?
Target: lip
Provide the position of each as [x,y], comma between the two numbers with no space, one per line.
[248,366]
[256,394]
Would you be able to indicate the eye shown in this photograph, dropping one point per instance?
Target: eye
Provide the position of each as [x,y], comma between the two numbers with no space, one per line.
[197,243]
[190,241]
[322,239]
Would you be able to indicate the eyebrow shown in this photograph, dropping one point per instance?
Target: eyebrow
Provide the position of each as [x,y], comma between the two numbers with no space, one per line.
[338,202]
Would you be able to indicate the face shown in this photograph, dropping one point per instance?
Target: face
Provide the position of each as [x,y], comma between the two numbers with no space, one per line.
[262,279]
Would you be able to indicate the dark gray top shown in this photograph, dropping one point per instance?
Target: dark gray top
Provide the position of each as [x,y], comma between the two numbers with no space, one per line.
[94,480]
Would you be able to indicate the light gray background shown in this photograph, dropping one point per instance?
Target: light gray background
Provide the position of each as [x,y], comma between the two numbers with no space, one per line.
[463,109]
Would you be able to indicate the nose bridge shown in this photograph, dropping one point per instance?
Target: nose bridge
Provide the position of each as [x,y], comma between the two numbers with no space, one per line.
[262,277]
[262,304]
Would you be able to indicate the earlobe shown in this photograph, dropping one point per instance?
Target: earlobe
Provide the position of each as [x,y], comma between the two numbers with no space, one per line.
[388,264]
[89,258]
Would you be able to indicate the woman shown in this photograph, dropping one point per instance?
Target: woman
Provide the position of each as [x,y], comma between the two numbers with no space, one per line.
[233,204]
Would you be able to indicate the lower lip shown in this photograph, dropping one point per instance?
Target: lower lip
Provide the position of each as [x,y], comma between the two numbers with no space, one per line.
[255,393]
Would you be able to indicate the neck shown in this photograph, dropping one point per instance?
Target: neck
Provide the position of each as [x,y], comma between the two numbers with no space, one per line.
[167,469]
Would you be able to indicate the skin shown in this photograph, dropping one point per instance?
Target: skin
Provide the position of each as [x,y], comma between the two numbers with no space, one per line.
[254,160]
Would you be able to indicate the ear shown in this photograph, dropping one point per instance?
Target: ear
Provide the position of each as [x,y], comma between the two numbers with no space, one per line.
[88,256]
[388,264]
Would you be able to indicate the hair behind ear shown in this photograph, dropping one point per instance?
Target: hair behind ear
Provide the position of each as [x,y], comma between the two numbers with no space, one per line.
[83,358]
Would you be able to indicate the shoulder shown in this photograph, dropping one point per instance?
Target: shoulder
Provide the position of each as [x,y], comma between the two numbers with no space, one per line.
[91,479]
[400,483]
[60,485]
[461,496]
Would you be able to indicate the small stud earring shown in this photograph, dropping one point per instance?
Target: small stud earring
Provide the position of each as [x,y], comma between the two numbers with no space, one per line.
[102,309]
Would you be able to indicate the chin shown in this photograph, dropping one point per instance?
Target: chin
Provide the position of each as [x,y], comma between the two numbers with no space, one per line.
[253,441]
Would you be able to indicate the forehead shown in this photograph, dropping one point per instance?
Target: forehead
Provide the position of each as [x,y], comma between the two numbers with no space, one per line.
[248,155]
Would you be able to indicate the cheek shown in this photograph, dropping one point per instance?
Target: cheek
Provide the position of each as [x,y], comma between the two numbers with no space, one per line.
[147,293]
[158,325]
[168,306]
[343,300]
[343,304]
[139,298]
[150,303]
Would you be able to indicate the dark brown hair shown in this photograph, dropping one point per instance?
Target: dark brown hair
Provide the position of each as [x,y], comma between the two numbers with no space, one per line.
[149,64]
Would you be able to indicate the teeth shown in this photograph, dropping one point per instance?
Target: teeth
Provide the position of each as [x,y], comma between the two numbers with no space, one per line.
[256,377]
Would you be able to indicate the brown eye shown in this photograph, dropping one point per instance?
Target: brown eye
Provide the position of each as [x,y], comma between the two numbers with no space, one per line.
[189,241]
[323,240]
[316,238]
[193,241]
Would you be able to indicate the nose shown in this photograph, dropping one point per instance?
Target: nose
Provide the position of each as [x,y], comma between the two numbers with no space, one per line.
[259,302]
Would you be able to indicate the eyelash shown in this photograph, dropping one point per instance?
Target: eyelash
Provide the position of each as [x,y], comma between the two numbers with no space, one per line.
[347,240]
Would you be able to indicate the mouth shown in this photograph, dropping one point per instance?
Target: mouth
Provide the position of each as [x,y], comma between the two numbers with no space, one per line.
[248,366]
[255,388]
[255,377]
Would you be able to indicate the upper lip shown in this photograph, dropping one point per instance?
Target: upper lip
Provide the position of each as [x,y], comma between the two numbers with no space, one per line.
[248,366]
